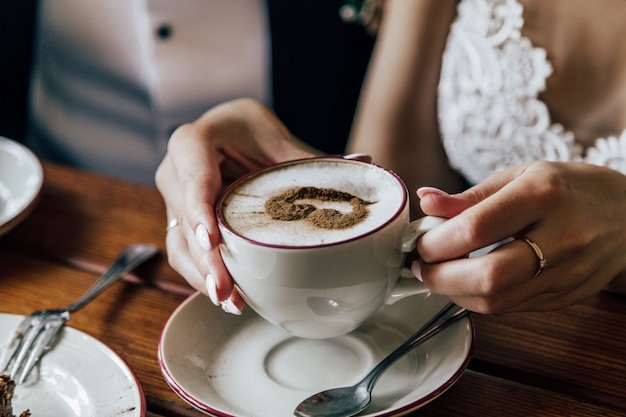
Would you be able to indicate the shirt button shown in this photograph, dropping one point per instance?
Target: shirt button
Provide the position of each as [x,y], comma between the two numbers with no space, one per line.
[164,31]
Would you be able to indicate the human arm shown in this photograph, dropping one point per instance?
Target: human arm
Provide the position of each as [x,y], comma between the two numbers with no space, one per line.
[396,121]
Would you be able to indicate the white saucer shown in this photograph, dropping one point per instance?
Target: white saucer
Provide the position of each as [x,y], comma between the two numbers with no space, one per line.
[242,366]
[21,177]
[79,377]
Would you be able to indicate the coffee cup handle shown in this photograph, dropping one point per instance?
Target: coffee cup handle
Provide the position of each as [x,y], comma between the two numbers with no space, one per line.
[408,284]
[416,229]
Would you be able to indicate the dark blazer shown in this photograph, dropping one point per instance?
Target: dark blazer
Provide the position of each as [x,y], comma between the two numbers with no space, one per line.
[16,37]
[318,64]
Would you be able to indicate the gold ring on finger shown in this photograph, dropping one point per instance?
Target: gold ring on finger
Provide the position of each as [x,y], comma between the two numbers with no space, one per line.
[541,260]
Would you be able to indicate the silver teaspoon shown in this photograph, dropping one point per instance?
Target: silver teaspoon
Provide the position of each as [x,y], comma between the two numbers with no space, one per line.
[348,401]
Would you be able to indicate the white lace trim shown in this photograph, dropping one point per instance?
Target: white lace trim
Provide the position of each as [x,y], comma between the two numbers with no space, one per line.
[490,115]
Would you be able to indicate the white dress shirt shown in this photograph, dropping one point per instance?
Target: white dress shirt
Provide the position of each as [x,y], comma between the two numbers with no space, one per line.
[113,78]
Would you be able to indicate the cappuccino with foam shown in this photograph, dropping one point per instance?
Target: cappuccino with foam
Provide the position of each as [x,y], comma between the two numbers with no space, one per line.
[315,246]
[312,202]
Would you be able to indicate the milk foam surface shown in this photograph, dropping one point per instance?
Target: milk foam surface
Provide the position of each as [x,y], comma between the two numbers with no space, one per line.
[244,207]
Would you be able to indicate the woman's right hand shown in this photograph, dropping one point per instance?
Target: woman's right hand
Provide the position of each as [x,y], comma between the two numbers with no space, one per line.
[225,143]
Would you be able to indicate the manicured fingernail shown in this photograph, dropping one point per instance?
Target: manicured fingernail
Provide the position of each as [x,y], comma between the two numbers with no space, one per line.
[230,307]
[421,192]
[202,237]
[211,288]
[416,268]
[359,156]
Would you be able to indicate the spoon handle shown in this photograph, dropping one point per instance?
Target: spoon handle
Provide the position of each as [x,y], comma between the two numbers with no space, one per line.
[449,314]
[131,257]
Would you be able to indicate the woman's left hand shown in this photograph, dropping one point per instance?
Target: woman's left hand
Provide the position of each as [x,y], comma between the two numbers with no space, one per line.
[573,212]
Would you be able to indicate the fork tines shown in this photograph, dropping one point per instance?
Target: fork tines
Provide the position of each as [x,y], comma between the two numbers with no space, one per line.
[32,338]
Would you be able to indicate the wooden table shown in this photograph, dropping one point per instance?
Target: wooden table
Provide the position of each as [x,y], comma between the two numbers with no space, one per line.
[565,363]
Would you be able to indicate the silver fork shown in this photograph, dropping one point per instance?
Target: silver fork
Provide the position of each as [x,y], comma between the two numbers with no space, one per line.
[38,331]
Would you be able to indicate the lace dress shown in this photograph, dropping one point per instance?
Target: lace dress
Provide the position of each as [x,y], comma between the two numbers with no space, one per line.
[490,114]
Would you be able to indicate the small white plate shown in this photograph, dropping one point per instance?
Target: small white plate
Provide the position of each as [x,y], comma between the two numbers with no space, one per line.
[21,177]
[79,377]
[242,366]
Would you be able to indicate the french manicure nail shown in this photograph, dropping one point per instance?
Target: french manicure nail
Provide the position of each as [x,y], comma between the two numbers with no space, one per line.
[358,156]
[211,288]
[230,307]
[416,268]
[430,190]
[202,237]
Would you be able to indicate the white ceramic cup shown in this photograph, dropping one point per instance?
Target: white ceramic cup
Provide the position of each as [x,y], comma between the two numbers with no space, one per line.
[320,283]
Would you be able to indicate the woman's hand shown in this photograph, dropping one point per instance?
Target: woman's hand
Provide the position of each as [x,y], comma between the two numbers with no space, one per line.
[225,143]
[574,212]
